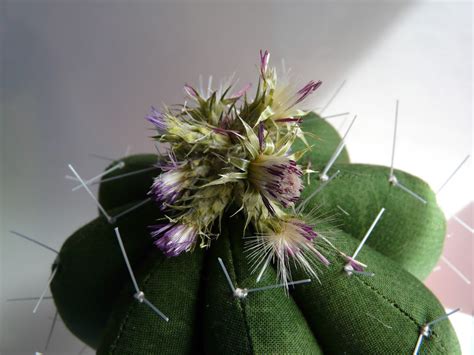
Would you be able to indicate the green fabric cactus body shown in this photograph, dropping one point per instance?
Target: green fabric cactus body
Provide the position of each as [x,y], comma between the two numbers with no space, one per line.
[339,314]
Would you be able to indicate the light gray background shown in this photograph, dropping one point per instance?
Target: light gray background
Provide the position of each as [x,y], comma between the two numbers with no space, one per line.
[78,78]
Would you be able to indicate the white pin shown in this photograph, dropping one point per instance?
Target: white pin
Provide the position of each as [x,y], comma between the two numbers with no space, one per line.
[464,224]
[116,177]
[425,330]
[323,176]
[242,293]
[348,267]
[40,299]
[331,99]
[452,174]
[103,157]
[34,241]
[99,205]
[28,299]
[139,295]
[110,219]
[456,270]
[123,213]
[98,156]
[335,115]
[315,192]
[392,179]
[50,334]
[119,165]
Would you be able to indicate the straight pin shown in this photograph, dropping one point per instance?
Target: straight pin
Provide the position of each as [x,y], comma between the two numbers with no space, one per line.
[119,165]
[353,266]
[34,241]
[394,139]
[139,295]
[336,115]
[121,176]
[453,173]
[116,177]
[278,285]
[98,156]
[392,178]
[102,209]
[123,213]
[227,276]
[374,223]
[315,192]
[456,270]
[243,292]
[407,190]
[464,224]
[425,330]
[127,262]
[28,299]
[40,299]
[323,176]
[331,99]
[48,340]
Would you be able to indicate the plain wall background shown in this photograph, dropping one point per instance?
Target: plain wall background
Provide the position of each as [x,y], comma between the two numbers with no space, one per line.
[78,78]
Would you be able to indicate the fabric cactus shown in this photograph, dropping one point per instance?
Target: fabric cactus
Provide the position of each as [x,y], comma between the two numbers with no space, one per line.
[335,313]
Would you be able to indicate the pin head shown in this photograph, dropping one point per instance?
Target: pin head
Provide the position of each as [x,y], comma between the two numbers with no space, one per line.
[139,296]
[348,269]
[111,220]
[393,180]
[323,177]
[241,293]
[425,330]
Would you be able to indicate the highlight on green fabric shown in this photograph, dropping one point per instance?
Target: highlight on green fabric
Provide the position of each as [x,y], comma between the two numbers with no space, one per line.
[336,314]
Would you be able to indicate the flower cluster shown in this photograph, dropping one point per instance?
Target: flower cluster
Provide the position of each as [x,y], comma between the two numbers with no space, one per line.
[226,150]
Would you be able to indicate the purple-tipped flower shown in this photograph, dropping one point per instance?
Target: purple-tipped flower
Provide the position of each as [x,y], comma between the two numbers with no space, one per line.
[241,92]
[264,59]
[158,119]
[307,90]
[354,264]
[173,239]
[276,178]
[291,240]
[188,89]
[169,185]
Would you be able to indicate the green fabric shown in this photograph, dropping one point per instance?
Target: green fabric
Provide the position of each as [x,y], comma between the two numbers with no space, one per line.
[372,315]
[267,322]
[409,232]
[91,270]
[342,314]
[172,285]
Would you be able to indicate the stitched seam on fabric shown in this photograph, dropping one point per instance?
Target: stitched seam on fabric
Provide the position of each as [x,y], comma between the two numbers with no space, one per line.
[124,322]
[401,311]
[240,302]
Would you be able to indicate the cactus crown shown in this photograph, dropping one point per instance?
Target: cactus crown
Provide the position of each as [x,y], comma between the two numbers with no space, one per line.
[224,149]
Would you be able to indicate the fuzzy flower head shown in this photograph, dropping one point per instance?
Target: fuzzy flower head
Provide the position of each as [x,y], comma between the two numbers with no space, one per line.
[276,178]
[229,148]
[285,241]
[173,239]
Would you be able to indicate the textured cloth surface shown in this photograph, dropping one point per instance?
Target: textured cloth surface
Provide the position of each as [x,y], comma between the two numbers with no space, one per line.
[353,315]
[409,232]
[91,270]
